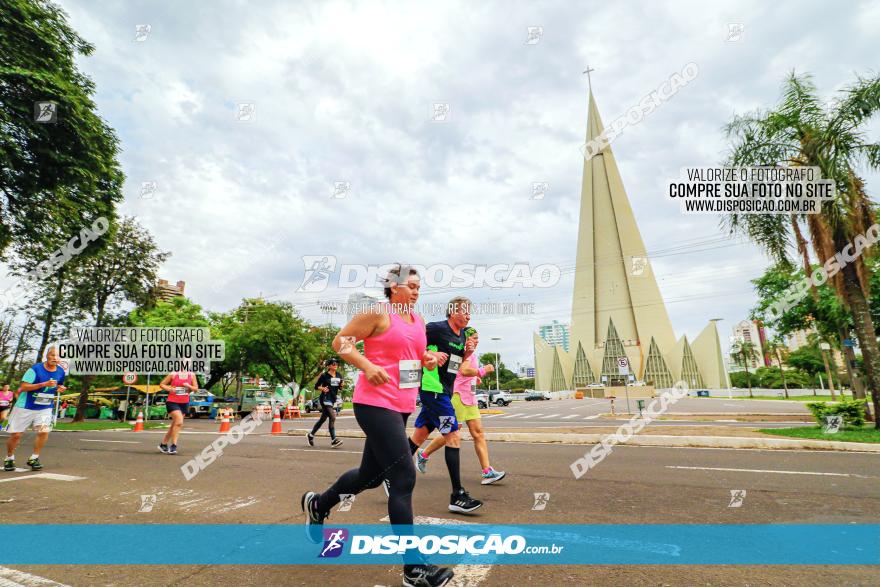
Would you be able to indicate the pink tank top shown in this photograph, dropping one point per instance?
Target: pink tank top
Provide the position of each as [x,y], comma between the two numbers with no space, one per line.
[5,399]
[399,351]
[181,393]
[462,385]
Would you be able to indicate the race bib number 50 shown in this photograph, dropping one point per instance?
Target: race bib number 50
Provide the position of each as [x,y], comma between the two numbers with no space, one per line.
[410,374]
[454,364]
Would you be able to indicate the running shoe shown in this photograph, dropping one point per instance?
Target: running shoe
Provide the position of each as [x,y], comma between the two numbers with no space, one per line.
[461,502]
[163,448]
[314,518]
[492,476]
[336,443]
[311,438]
[421,462]
[172,450]
[9,464]
[34,464]
[386,485]
[426,576]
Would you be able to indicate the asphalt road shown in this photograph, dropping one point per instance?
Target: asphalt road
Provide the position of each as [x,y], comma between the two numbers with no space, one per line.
[260,480]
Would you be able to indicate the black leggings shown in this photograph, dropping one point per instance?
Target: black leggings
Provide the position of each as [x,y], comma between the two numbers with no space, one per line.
[386,456]
[327,413]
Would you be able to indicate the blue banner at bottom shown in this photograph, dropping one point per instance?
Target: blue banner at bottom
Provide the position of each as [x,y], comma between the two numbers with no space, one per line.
[267,544]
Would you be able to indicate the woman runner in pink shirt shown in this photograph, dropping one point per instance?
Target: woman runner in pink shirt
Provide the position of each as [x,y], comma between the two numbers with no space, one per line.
[178,385]
[384,397]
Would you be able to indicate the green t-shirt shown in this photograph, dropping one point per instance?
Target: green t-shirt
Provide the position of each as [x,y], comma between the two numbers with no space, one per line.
[431,379]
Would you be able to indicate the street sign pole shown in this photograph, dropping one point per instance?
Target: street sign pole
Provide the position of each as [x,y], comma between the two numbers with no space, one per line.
[623,369]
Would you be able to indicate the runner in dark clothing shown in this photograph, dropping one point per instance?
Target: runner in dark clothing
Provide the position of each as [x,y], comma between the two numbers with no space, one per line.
[329,383]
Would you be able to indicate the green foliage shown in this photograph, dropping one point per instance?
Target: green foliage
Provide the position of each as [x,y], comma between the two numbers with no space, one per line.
[54,177]
[853,411]
[743,380]
[177,312]
[808,359]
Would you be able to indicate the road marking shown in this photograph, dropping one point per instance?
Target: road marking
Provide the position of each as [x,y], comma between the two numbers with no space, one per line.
[465,575]
[13,578]
[491,416]
[771,471]
[551,416]
[53,476]
[592,417]
[513,416]
[117,441]
[356,452]
[571,416]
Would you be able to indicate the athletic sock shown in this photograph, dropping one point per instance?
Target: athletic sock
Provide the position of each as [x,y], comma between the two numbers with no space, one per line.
[454,465]
[34,457]
[486,470]
[413,447]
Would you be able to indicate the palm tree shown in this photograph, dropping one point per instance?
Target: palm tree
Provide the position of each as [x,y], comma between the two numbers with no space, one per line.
[803,131]
[743,353]
[775,347]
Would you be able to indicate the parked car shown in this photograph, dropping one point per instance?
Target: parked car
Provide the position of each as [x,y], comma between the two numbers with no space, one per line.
[537,395]
[312,405]
[482,401]
[500,398]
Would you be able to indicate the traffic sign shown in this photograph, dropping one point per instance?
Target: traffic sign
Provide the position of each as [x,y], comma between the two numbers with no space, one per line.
[623,365]
[129,378]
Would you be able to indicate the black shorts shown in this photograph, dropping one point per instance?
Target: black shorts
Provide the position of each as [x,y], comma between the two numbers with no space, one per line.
[174,406]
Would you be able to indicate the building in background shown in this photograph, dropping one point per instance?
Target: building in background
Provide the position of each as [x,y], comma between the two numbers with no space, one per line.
[358,302]
[752,331]
[800,338]
[617,310]
[165,291]
[555,334]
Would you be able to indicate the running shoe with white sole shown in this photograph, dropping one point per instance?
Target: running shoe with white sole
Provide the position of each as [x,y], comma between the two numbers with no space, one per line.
[386,485]
[314,518]
[492,476]
[462,503]
[172,450]
[9,465]
[426,576]
[35,464]
[421,462]
[163,448]
[311,439]
[336,443]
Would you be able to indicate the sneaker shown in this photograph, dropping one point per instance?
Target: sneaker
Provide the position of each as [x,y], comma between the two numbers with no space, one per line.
[421,462]
[9,464]
[314,518]
[163,448]
[172,450]
[492,476]
[336,443]
[462,503]
[426,575]
[311,438]
[34,464]
[386,485]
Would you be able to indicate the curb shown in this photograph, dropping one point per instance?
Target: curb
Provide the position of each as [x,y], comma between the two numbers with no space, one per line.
[662,441]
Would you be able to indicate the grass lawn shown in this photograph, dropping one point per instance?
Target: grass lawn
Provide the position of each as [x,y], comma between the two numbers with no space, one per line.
[866,434]
[105,425]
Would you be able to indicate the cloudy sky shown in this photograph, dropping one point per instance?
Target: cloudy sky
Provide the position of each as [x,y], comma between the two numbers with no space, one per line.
[344,92]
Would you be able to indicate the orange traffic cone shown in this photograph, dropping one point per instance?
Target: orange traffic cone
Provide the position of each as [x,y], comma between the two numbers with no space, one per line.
[224,422]
[276,423]
[139,423]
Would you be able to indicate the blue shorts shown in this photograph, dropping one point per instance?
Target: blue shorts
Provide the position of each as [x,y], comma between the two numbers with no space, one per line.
[174,406]
[437,413]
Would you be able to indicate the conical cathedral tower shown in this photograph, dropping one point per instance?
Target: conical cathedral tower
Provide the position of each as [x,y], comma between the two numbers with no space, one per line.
[617,309]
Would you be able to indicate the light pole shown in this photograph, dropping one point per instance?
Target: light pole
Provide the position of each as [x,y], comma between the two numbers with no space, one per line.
[497,361]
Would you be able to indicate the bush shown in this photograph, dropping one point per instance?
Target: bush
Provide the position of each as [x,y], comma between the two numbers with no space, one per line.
[853,411]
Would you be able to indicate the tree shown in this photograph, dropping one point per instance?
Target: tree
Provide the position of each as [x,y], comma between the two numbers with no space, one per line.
[53,175]
[124,271]
[743,353]
[808,359]
[776,348]
[802,131]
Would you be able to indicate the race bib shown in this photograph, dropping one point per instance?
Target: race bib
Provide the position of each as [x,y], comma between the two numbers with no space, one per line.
[454,364]
[43,399]
[181,391]
[3,403]
[334,381]
[410,374]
